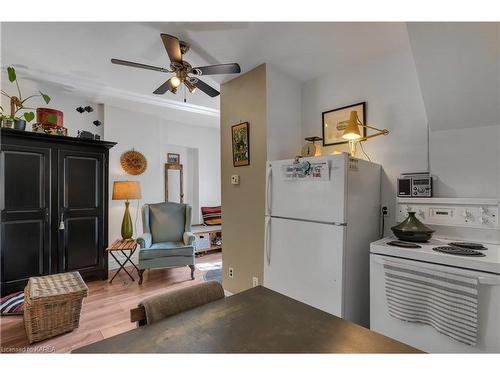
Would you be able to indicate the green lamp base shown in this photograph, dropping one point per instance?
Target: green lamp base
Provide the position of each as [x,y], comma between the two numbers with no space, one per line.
[127,229]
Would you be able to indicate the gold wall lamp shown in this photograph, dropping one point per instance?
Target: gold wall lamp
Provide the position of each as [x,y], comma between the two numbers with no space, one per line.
[351,132]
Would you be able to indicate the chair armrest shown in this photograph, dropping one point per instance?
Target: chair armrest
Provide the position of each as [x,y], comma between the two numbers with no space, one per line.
[145,240]
[188,238]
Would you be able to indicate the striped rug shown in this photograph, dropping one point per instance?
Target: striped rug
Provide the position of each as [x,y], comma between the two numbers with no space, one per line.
[13,304]
[445,301]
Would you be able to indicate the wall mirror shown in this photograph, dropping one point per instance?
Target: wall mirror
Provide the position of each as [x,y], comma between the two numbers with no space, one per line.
[174,184]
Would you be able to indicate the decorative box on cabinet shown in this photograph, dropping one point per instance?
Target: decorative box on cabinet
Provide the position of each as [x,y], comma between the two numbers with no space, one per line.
[49,180]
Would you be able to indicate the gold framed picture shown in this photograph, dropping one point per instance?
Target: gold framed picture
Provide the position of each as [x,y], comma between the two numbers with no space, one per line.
[240,135]
[330,120]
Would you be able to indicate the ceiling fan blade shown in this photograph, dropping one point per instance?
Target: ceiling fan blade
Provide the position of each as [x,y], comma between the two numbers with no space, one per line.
[139,65]
[163,88]
[231,68]
[173,47]
[209,90]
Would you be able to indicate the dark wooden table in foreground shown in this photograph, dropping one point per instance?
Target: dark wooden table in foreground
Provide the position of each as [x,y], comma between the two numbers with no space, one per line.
[258,320]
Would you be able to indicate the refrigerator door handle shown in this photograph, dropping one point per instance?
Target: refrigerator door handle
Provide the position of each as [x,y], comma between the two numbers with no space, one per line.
[267,247]
[268,189]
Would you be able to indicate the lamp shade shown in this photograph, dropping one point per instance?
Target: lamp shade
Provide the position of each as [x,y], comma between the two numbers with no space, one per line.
[124,190]
[351,132]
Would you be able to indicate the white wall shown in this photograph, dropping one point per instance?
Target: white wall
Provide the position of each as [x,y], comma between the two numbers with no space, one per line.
[283,108]
[65,101]
[463,156]
[154,137]
[390,87]
[458,70]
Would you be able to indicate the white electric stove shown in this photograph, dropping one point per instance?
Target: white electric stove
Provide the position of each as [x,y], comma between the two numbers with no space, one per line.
[466,243]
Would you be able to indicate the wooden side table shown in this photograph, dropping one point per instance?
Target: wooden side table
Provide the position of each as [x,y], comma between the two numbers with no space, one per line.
[122,246]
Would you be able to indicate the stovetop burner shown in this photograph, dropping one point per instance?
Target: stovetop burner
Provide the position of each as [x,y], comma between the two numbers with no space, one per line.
[468,245]
[407,245]
[454,250]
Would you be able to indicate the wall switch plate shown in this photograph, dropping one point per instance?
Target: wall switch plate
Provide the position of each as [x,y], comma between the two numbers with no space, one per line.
[231,272]
[235,179]
[255,281]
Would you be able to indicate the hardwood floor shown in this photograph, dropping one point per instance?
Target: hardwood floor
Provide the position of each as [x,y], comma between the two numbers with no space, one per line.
[106,310]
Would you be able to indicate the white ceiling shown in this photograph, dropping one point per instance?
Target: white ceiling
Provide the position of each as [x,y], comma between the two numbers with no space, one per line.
[76,55]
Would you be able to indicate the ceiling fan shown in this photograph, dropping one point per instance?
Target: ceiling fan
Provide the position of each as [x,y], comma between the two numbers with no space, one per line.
[184,72]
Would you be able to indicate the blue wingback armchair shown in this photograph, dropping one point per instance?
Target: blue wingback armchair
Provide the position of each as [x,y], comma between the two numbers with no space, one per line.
[167,240]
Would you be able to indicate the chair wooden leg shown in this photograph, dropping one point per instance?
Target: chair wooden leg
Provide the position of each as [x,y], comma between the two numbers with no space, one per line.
[192,271]
[140,272]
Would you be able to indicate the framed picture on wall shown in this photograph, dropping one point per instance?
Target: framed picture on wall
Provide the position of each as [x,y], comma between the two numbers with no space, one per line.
[240,135]
[330,120]
[173,158]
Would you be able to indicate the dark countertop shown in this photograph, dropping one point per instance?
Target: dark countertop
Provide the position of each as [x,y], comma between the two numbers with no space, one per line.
[258,320]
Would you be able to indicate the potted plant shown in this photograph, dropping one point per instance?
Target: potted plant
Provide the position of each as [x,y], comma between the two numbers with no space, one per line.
[17,103]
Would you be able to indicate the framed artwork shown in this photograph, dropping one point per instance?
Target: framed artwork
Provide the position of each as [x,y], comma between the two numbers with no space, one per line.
[240,135]
[173,158]
[330,120]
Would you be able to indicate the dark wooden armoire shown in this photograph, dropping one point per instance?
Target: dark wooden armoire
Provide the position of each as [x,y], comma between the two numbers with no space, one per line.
[54,203]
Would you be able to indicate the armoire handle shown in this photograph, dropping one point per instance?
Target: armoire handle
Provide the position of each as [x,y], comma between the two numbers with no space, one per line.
[61,223]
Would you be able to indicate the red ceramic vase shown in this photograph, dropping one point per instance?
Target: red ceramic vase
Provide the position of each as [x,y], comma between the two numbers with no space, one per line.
[42,115]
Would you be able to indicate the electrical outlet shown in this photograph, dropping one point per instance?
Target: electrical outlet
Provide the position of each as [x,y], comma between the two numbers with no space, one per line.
[231,272]
[385,211]
[235,179]
[255,281]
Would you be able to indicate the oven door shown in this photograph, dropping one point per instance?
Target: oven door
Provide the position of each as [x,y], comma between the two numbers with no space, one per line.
[425,337]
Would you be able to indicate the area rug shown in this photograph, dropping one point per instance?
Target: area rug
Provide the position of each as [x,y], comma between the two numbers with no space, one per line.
[211,271]
[13,304]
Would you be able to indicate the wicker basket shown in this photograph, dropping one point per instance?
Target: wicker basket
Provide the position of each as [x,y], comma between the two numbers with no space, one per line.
[52,305]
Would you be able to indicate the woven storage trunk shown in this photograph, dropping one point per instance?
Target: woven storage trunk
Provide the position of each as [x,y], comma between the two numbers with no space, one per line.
[52,305]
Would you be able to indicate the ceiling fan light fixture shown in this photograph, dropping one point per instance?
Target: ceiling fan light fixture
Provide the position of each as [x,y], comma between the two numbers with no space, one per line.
[182,69]
[175,82]
[190,86]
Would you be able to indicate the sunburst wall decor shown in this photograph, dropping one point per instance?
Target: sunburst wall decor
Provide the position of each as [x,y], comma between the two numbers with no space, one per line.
[133,162]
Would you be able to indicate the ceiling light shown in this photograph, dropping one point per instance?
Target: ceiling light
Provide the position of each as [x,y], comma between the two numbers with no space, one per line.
[175,81]
[190,86]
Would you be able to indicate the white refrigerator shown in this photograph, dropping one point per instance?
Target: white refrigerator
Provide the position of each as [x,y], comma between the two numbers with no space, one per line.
[319,224]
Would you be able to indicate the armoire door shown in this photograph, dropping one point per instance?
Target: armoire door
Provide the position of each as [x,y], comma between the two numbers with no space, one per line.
[81,211]
[25,234]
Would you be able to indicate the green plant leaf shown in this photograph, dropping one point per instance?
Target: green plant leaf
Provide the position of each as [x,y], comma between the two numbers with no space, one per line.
[52,118]
[11,72]
[45,97]
[29,116]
